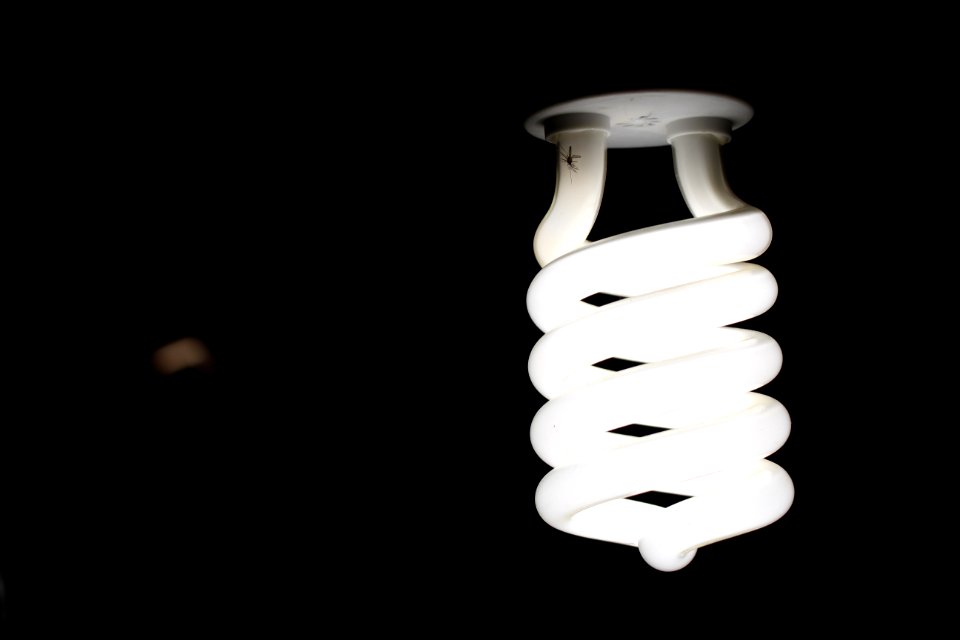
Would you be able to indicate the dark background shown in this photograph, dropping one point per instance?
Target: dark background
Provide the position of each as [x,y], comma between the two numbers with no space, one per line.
[354,244]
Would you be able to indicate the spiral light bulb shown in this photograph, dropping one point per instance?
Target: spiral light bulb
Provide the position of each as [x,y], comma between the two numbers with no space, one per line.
[681,284]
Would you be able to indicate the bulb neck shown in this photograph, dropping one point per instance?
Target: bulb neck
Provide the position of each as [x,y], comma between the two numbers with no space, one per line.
[581,140]
[696,160]
[555,126]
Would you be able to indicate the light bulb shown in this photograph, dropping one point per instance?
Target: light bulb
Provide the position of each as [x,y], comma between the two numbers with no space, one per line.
[681,283]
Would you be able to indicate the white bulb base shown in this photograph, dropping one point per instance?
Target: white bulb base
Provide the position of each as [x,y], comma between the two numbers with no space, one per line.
[640,119]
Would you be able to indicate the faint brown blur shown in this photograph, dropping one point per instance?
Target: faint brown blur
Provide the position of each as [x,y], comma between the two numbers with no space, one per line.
[182,354]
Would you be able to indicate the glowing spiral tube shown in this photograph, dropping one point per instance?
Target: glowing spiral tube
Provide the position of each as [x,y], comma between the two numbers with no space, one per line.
[682,283]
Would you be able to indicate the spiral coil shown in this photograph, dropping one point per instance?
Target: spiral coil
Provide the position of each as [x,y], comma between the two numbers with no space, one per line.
[681,284]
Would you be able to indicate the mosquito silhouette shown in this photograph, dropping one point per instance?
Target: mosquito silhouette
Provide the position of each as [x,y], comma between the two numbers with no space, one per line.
[571,160]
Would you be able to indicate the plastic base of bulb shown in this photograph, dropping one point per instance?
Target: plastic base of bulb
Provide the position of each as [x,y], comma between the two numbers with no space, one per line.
[640,119]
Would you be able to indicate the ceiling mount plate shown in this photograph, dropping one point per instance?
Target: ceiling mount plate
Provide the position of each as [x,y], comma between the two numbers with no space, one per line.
[640,119]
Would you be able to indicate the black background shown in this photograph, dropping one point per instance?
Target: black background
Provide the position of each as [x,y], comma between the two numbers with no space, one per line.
[354,244]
